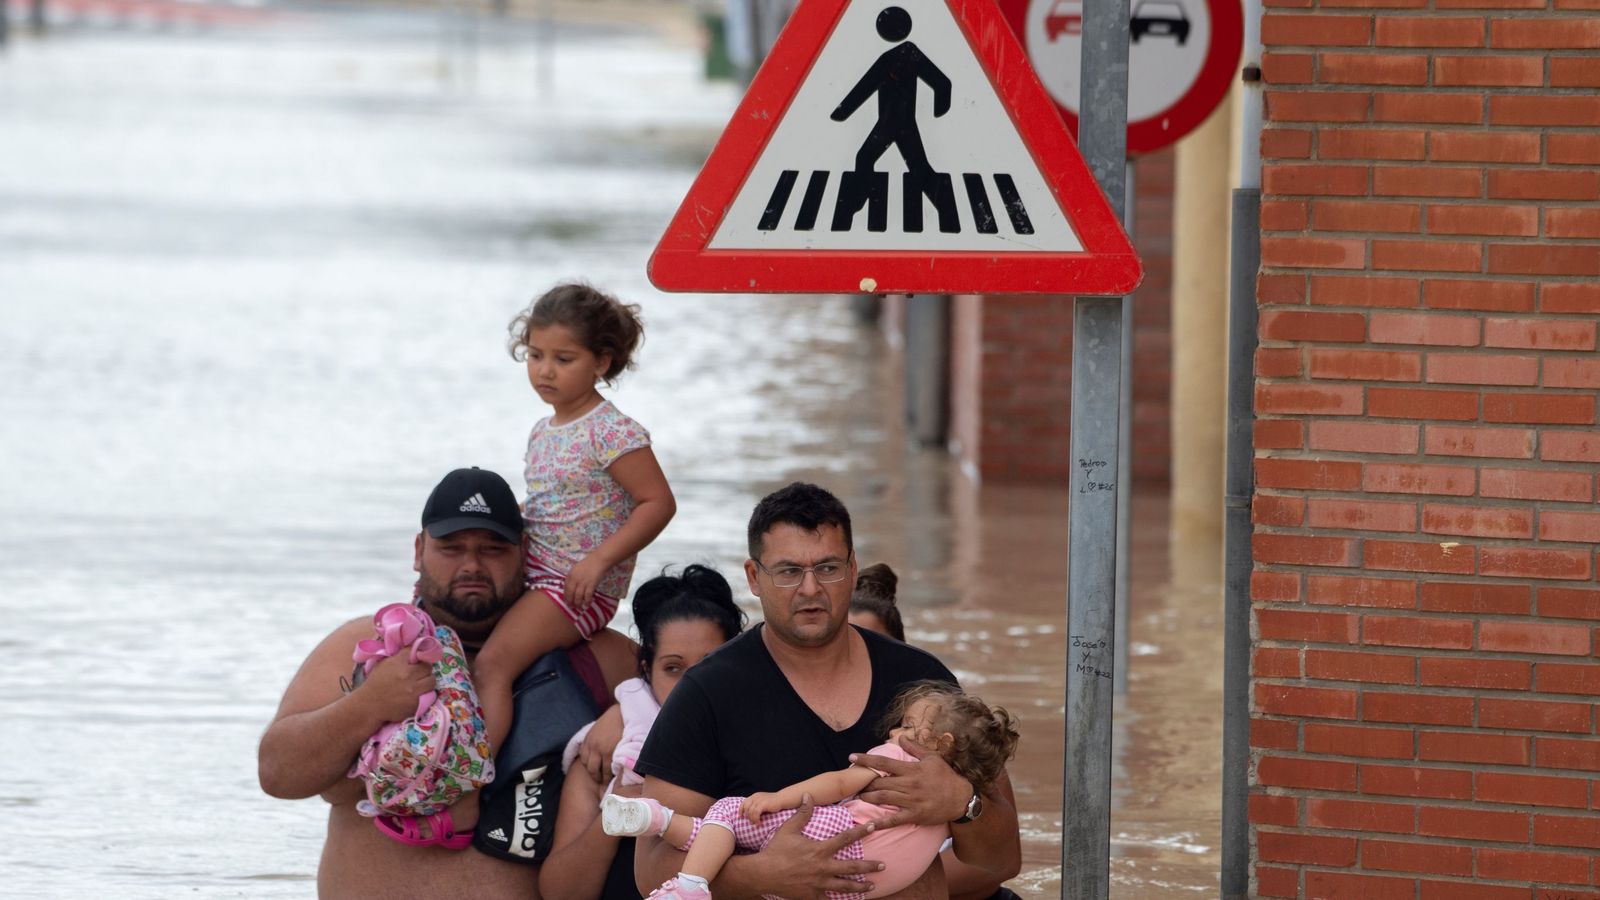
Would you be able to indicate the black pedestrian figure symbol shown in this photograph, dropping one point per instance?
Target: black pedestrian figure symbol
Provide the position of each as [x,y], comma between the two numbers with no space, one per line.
[894,79]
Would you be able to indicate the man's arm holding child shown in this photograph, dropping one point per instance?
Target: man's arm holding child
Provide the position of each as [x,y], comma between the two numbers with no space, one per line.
[319,729]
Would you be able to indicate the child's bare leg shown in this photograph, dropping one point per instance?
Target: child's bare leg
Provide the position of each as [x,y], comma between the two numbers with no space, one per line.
[679,830]
[532,627]
[712,847]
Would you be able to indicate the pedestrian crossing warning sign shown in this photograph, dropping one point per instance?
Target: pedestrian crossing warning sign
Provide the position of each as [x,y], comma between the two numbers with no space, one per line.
[896,146]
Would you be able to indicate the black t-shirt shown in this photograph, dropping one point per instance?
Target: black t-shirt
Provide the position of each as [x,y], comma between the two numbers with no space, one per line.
[734,726]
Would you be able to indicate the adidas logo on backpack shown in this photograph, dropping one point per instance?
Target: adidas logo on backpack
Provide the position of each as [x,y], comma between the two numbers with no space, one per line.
[476,504]
[499,834]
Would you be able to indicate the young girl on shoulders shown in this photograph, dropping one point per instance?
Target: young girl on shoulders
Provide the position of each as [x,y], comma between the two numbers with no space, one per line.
[975,739]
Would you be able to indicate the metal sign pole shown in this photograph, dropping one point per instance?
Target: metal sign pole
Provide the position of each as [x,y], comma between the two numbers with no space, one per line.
[1095,482]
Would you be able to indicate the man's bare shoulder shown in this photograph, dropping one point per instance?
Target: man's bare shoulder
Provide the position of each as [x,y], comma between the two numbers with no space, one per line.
[316,684]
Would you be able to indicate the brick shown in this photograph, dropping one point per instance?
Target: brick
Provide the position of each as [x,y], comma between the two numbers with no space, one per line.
[1306,627]
[1305,849]
[1429,31]
[1363,290]
[1363,437]
[1407,478]
[1418,709]
[1569,526]
[1324,885]
[1573,223]
[1569,603]
[1540,409]
[1543,184]
[1486,599]
[1573,149]
[1278,434]
[1568,71]
[1534,484]
[1559,111]
[1312,703]
[1533,715]
[1421,328]
[1543,259]
[1372,68]
[1484,749]
[1539,334]
[1429,107]
[1294,325]
[1366,215]
[1528,865]
[1313,253]
[1512,562]
[1420,181]
[1434,859]
[1567,831]
[1484,146]
[1478,368]
[1366,365]
[1461,890]
[1285,215]
[1410,631]
[1569,372]
[1276,510]
[1488,71]
[1382,143]
[1490,4]
[1379,668]
[1318,106]
[1312,774]
[1493,674]
[1545,33]
[1457,440]
[1379,593]
[1275,662]
[1569,446]
[1530,790]
[1362,515]
[1315,179]
[1274,735]
[1405,403]
[1273,810]
[1570,298]
[1410,781]
[1280,30]
[1477,521]
[1427,256]
[1281,290]
[1278,362]
[1348,740]
[1558,678]
[1288,68]
[1308,474]
[1294,399]
[1275,882]
[1514,221]
[1289,143]
[1274,586]
[1473,824]
[1562,753]
[1493,296]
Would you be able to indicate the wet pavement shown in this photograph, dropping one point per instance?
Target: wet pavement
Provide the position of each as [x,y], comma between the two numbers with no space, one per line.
[254,280]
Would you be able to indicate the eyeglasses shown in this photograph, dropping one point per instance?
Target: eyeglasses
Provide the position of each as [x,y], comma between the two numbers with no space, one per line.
[791,576]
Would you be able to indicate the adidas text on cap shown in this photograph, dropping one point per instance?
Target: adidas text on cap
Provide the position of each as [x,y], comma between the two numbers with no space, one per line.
[473,498]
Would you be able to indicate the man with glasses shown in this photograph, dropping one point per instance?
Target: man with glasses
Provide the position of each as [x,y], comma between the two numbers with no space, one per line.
[795,697]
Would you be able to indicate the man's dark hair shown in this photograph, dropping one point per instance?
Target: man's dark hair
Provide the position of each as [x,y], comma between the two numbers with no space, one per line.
[799,504]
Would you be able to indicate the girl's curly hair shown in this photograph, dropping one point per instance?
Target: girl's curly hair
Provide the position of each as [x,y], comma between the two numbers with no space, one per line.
[600,322]
[985,737]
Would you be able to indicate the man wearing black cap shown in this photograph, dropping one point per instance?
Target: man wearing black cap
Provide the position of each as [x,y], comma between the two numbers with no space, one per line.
[468,558]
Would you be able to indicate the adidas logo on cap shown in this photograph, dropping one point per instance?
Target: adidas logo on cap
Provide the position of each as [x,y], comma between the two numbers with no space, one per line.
[476,504]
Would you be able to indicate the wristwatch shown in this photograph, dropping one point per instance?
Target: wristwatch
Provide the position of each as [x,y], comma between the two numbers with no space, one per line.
[974,808]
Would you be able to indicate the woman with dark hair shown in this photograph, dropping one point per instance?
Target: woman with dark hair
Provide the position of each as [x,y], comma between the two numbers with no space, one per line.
[680,619]
[872,603]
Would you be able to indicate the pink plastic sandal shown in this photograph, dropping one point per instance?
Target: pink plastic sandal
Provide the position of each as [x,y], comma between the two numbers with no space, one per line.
[408,830]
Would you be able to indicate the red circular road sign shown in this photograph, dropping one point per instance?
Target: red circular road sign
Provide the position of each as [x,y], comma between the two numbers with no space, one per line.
[1182,58]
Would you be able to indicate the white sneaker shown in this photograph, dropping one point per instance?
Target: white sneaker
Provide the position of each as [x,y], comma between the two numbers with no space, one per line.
[632,816]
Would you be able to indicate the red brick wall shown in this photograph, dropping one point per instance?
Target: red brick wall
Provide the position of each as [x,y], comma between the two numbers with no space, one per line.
[1426,614]
[1010,417]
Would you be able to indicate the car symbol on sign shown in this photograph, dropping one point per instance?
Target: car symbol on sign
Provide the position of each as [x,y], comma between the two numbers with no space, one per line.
[1065,17]
[1157,18]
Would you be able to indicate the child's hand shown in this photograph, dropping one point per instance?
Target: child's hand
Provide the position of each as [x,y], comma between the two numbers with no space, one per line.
[582,581]
[759,804]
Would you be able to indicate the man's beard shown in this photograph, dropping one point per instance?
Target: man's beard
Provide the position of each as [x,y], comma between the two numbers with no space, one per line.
[477,609]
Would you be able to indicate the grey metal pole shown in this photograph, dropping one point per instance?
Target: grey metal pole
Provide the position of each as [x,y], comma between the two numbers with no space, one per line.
[1125,457]
[927,367]
[36,17]
[1092,551]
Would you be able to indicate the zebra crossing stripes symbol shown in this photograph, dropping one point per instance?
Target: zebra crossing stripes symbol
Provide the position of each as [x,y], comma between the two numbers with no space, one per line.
[870,190]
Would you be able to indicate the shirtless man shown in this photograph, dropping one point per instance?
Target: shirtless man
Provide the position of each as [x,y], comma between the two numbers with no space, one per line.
[469,565]
[794,697]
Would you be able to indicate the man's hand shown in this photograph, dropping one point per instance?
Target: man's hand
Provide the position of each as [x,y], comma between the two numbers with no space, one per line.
[927,791]
[583,580]
[392,687]
[594,752]
[806,868]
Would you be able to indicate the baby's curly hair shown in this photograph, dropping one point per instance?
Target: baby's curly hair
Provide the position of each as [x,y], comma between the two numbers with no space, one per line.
[985,737]
[601,322]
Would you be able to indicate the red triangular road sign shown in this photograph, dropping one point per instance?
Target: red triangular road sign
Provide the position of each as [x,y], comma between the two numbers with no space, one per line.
[864,103]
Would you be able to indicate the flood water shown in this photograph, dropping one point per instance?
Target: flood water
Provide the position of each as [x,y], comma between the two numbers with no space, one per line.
[254,283]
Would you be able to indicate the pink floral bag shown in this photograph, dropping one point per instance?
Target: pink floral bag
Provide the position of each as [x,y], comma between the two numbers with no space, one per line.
[422,765]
